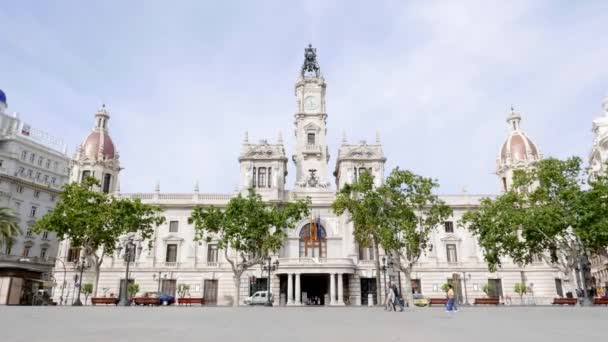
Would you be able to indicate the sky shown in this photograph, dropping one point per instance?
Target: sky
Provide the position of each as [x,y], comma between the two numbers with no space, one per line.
[184,80]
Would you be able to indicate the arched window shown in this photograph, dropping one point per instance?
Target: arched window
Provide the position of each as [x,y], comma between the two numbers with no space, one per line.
[313,241]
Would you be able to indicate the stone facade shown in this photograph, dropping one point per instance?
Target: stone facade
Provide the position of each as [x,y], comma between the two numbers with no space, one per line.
[33,168]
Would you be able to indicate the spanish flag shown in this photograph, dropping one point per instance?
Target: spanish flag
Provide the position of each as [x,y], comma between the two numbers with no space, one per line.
[313,229]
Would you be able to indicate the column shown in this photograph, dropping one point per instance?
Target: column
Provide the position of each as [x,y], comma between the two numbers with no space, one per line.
[290,289]
[298,293]
[340,290]
[332,289]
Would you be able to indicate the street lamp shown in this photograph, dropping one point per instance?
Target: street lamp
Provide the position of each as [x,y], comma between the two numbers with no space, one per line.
[129,247]
[80,267]
[384,271]
[270,268]
[466,295]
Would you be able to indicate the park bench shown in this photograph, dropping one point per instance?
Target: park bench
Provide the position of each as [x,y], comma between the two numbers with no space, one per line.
[564,301]
[486,301]
[190,301]
[104,300]
[438,301]
[146,301]
[600,301]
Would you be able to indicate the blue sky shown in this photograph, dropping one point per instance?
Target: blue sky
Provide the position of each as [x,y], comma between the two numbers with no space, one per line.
[185,79]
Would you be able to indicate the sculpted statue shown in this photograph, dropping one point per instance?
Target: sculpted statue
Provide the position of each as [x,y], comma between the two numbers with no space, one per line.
[310,61]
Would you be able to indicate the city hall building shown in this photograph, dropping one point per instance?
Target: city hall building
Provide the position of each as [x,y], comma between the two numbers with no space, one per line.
[328,268]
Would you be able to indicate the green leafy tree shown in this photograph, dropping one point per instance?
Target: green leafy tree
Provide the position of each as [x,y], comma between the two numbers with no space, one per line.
[132,289]
[87,289]
[182,289]
[247,229]
[546,213]
[365,206]
[445,287]
[94,221]
[488,289]
[9,227]
[399,216]
[520,289]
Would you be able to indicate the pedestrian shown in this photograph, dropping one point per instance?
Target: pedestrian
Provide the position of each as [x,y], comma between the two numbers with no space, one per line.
[398,298]
[390,298]
[451,304]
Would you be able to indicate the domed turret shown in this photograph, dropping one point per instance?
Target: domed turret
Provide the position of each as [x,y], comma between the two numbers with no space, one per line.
[518,151]
[99,145]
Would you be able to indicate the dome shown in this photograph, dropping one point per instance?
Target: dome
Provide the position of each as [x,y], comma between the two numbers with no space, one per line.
[91,145]
[2,97]
[518,147]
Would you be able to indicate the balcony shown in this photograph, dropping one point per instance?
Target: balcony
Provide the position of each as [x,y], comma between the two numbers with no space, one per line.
[312,149]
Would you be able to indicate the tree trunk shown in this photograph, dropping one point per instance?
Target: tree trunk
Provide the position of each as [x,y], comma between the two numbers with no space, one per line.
[379,288]
[97,274]
[408,295]
[237,285]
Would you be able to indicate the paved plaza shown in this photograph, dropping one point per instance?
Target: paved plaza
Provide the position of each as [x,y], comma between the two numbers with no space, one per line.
[91,324]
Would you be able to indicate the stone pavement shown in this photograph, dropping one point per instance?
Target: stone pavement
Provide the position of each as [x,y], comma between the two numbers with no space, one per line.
[179,324]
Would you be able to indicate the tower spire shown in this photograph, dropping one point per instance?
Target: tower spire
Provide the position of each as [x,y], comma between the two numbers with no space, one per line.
[310,62]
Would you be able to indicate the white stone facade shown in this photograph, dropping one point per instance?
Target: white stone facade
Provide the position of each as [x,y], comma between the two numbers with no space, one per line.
[335,271]
[33,168]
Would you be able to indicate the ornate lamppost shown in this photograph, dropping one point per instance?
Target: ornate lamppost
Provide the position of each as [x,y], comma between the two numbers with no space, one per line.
[270,268]
[80,267]
[384,273]
[129,249]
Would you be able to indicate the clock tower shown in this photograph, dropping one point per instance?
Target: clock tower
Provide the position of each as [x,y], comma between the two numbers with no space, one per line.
[311,157]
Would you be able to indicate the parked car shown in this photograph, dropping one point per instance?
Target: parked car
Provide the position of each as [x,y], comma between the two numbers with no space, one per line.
[258,298]
[164,299]
[420,300]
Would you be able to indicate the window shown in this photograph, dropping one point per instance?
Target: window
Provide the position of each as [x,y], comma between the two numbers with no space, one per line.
[40,160]
[171,253]
[504,183]
[261,177]
[366,253]
[254,176]
[52,198]
[85,174]
[23,155]
[21,171]
[311,138]
[55,165]
[131,254]
[17,207]
[38,174]
[212,253]
[1,162]
[26,251]
[36,194]
[107,178]
[416,287]
[8,247]
[451,251]
[29,233]
[43,252]
[536,258]
[269,177]
[313,241]
[73,254]
[19,189]
[53,180]
[46,179]
[45,235]
[48,164]
[449,226]
[33,211]
[29,173]
[173,227]
[32,157]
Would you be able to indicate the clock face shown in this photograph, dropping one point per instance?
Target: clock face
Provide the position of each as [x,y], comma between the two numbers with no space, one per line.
[311,103]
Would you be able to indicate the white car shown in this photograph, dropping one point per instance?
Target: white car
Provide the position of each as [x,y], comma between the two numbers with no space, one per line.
[258,298]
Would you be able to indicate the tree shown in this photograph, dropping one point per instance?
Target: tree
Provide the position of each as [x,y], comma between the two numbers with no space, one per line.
[412,212]
[488,289]
[9,227]
[445,287]
[520,289]
[95,221]
[132,289]
[87,289]
[182,289]
[249,227]
[365,205]
[546,213]
[400,216]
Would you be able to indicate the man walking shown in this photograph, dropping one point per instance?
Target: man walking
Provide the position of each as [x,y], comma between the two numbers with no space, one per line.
[398,298]
[451,305]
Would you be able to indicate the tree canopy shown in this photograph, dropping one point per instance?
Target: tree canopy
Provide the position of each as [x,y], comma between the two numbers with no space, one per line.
[9,227]
[249,227]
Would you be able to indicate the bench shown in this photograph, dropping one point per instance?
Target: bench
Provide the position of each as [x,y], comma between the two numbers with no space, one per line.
[486,301]
[104,300]
[600,301]
[146,301]
[190,301]
[564,301]
[438,301]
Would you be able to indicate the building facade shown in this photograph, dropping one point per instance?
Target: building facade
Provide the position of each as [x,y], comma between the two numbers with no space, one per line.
[33,168]
[329,268]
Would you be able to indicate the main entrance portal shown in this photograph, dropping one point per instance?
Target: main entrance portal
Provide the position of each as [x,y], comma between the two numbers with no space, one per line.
[314,288]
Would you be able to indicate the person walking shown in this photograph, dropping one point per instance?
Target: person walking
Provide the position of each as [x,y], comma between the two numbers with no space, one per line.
[389,298]
[451,305]
[398,298]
